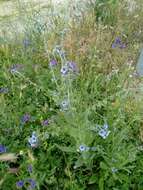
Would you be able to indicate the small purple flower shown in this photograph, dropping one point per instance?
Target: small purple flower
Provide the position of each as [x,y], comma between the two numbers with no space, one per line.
[20,184]
[72,65]
[25,118]
[45,122]
[32,183]
[64,70]
[4,90]
[118,43]
[53,63]
[30,168]
[2,148]
[114,45]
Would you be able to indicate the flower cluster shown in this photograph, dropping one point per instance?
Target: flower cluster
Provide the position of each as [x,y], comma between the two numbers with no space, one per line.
[118,43]
[33,140]
[31,182]
[69,66]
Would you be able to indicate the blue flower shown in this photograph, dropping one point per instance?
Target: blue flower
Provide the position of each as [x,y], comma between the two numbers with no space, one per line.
[65,105]
[72,65]
[32,183]
[2,148]
[45,122]
[25,118]
[33,140]
[4,90]
[53,63]
[83,148]
[103,133]
[20,184]
[118,43]
[118,40]
[64,70]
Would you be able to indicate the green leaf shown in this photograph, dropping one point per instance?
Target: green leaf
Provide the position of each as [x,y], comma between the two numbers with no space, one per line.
[93,179]
[66,149]
[101,183]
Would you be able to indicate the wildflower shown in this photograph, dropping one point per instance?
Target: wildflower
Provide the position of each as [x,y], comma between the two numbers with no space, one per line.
[64,70]
[104,132]
[30,168]
[53,63]
[72,65]
[32,183]
[25,118]
[2,148]
[45,122]
[118,40]
[4,90]
[83,148]
[118,43]
[33,140]
[20,184]
[65,105]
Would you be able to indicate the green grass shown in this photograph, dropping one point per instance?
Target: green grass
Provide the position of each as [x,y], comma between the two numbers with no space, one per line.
[103,91]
